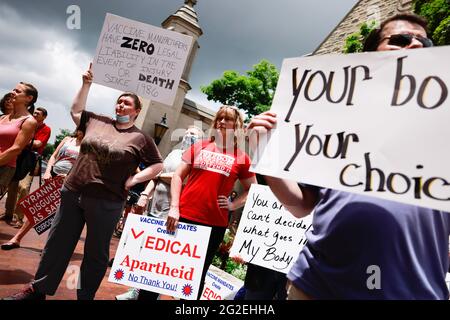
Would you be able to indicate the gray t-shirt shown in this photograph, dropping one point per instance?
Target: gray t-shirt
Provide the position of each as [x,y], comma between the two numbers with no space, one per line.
[108,156]
[161,197]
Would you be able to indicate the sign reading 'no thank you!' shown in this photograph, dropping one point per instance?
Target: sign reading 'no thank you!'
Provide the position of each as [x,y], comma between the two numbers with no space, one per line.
[137,57]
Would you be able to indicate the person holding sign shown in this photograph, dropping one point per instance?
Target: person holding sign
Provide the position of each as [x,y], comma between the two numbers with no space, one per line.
[94,193]
[60,163]
[212,167]
[363,247]
[16,131]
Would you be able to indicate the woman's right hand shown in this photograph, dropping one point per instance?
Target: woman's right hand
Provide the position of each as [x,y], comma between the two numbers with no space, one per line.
[263,122]
[172,219]
[88,76]
[259,126]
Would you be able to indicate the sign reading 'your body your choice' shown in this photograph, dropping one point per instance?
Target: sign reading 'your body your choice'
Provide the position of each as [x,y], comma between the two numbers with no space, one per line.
[137,57]
[370,123]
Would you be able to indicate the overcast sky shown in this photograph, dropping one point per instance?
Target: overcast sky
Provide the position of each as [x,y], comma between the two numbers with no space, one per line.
[37,46]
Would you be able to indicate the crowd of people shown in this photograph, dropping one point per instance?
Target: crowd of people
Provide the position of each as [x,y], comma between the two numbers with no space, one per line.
[106,158]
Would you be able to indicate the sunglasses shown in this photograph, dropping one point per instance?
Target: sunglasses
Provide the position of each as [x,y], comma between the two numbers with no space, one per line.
[405,39]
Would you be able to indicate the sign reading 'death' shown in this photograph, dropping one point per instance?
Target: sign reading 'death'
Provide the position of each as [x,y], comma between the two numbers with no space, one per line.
[220,285]
[370,123]
[137,57]
[40,206]
[268,235]
[151,258]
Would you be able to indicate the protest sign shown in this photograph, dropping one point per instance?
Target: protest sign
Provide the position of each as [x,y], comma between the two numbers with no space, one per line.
[137,57]
[151,258]
[268,235]
[220,285]
[40,206]
[369,123]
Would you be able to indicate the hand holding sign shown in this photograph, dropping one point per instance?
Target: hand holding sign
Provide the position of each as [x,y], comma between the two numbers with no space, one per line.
[172,219]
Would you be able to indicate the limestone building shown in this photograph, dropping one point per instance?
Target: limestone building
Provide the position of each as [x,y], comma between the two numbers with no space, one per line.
[183,112]
[362,11]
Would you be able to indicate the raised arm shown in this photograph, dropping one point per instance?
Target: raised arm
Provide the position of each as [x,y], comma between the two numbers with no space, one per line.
[22,140]
[79,103]
[298,201]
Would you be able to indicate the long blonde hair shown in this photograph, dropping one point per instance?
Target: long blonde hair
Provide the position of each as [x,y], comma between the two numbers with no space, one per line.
[238,122]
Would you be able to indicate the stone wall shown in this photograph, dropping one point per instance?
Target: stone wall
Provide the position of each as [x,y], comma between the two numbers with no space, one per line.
[363,10]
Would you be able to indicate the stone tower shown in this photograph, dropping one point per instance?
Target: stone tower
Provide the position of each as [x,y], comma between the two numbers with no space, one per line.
[184,21]
[362,11]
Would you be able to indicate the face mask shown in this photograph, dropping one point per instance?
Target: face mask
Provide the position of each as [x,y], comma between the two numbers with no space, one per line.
[122,119]
[188,141]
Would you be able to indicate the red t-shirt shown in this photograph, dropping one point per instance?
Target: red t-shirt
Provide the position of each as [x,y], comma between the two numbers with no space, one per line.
[42,134]
[213,173]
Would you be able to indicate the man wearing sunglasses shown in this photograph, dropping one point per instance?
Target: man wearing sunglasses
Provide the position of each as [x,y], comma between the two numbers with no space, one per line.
[402,31]
[356,236]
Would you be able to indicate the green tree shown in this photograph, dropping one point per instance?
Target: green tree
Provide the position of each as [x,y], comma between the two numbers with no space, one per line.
[355,41]
[252,92]
[60,136]
[437,13]
[48,151]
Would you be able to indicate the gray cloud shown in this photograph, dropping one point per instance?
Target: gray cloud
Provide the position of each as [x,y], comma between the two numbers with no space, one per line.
[39,48]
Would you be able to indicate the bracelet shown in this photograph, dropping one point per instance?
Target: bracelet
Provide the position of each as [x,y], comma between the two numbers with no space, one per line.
[144,194]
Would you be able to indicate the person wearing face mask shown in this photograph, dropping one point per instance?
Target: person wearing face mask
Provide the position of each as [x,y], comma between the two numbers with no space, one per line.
[94,194]
[160,205]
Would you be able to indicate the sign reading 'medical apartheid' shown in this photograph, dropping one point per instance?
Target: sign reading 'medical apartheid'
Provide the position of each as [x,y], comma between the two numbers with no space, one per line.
[370,123]
[137,57]
[268,235]
[151,258]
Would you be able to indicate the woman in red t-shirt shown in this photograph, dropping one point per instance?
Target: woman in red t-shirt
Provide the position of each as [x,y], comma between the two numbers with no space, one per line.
[212,167]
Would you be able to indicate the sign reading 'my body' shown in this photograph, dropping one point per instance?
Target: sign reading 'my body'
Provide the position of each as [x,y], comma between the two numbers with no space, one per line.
[268,235]
[370,123]
[151,258]
[137,57]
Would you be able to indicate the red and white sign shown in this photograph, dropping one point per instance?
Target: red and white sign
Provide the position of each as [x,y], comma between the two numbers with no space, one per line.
[151,258]
[220,285]
[41,205]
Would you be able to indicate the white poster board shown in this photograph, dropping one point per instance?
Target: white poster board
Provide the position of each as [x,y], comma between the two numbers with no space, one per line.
[371,123]
[220,285]
[137,57]
[268,235]
[150,258]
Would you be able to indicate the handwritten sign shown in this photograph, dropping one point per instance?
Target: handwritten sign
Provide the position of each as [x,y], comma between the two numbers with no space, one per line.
[371,123]
[40,206]
[268,235]
[220,285]
[137,57]
[151,258]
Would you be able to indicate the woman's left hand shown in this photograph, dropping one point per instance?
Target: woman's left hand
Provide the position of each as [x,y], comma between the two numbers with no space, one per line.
[224,203]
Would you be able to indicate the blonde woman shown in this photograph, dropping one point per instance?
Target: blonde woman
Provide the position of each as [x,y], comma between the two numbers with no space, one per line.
[211,166]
